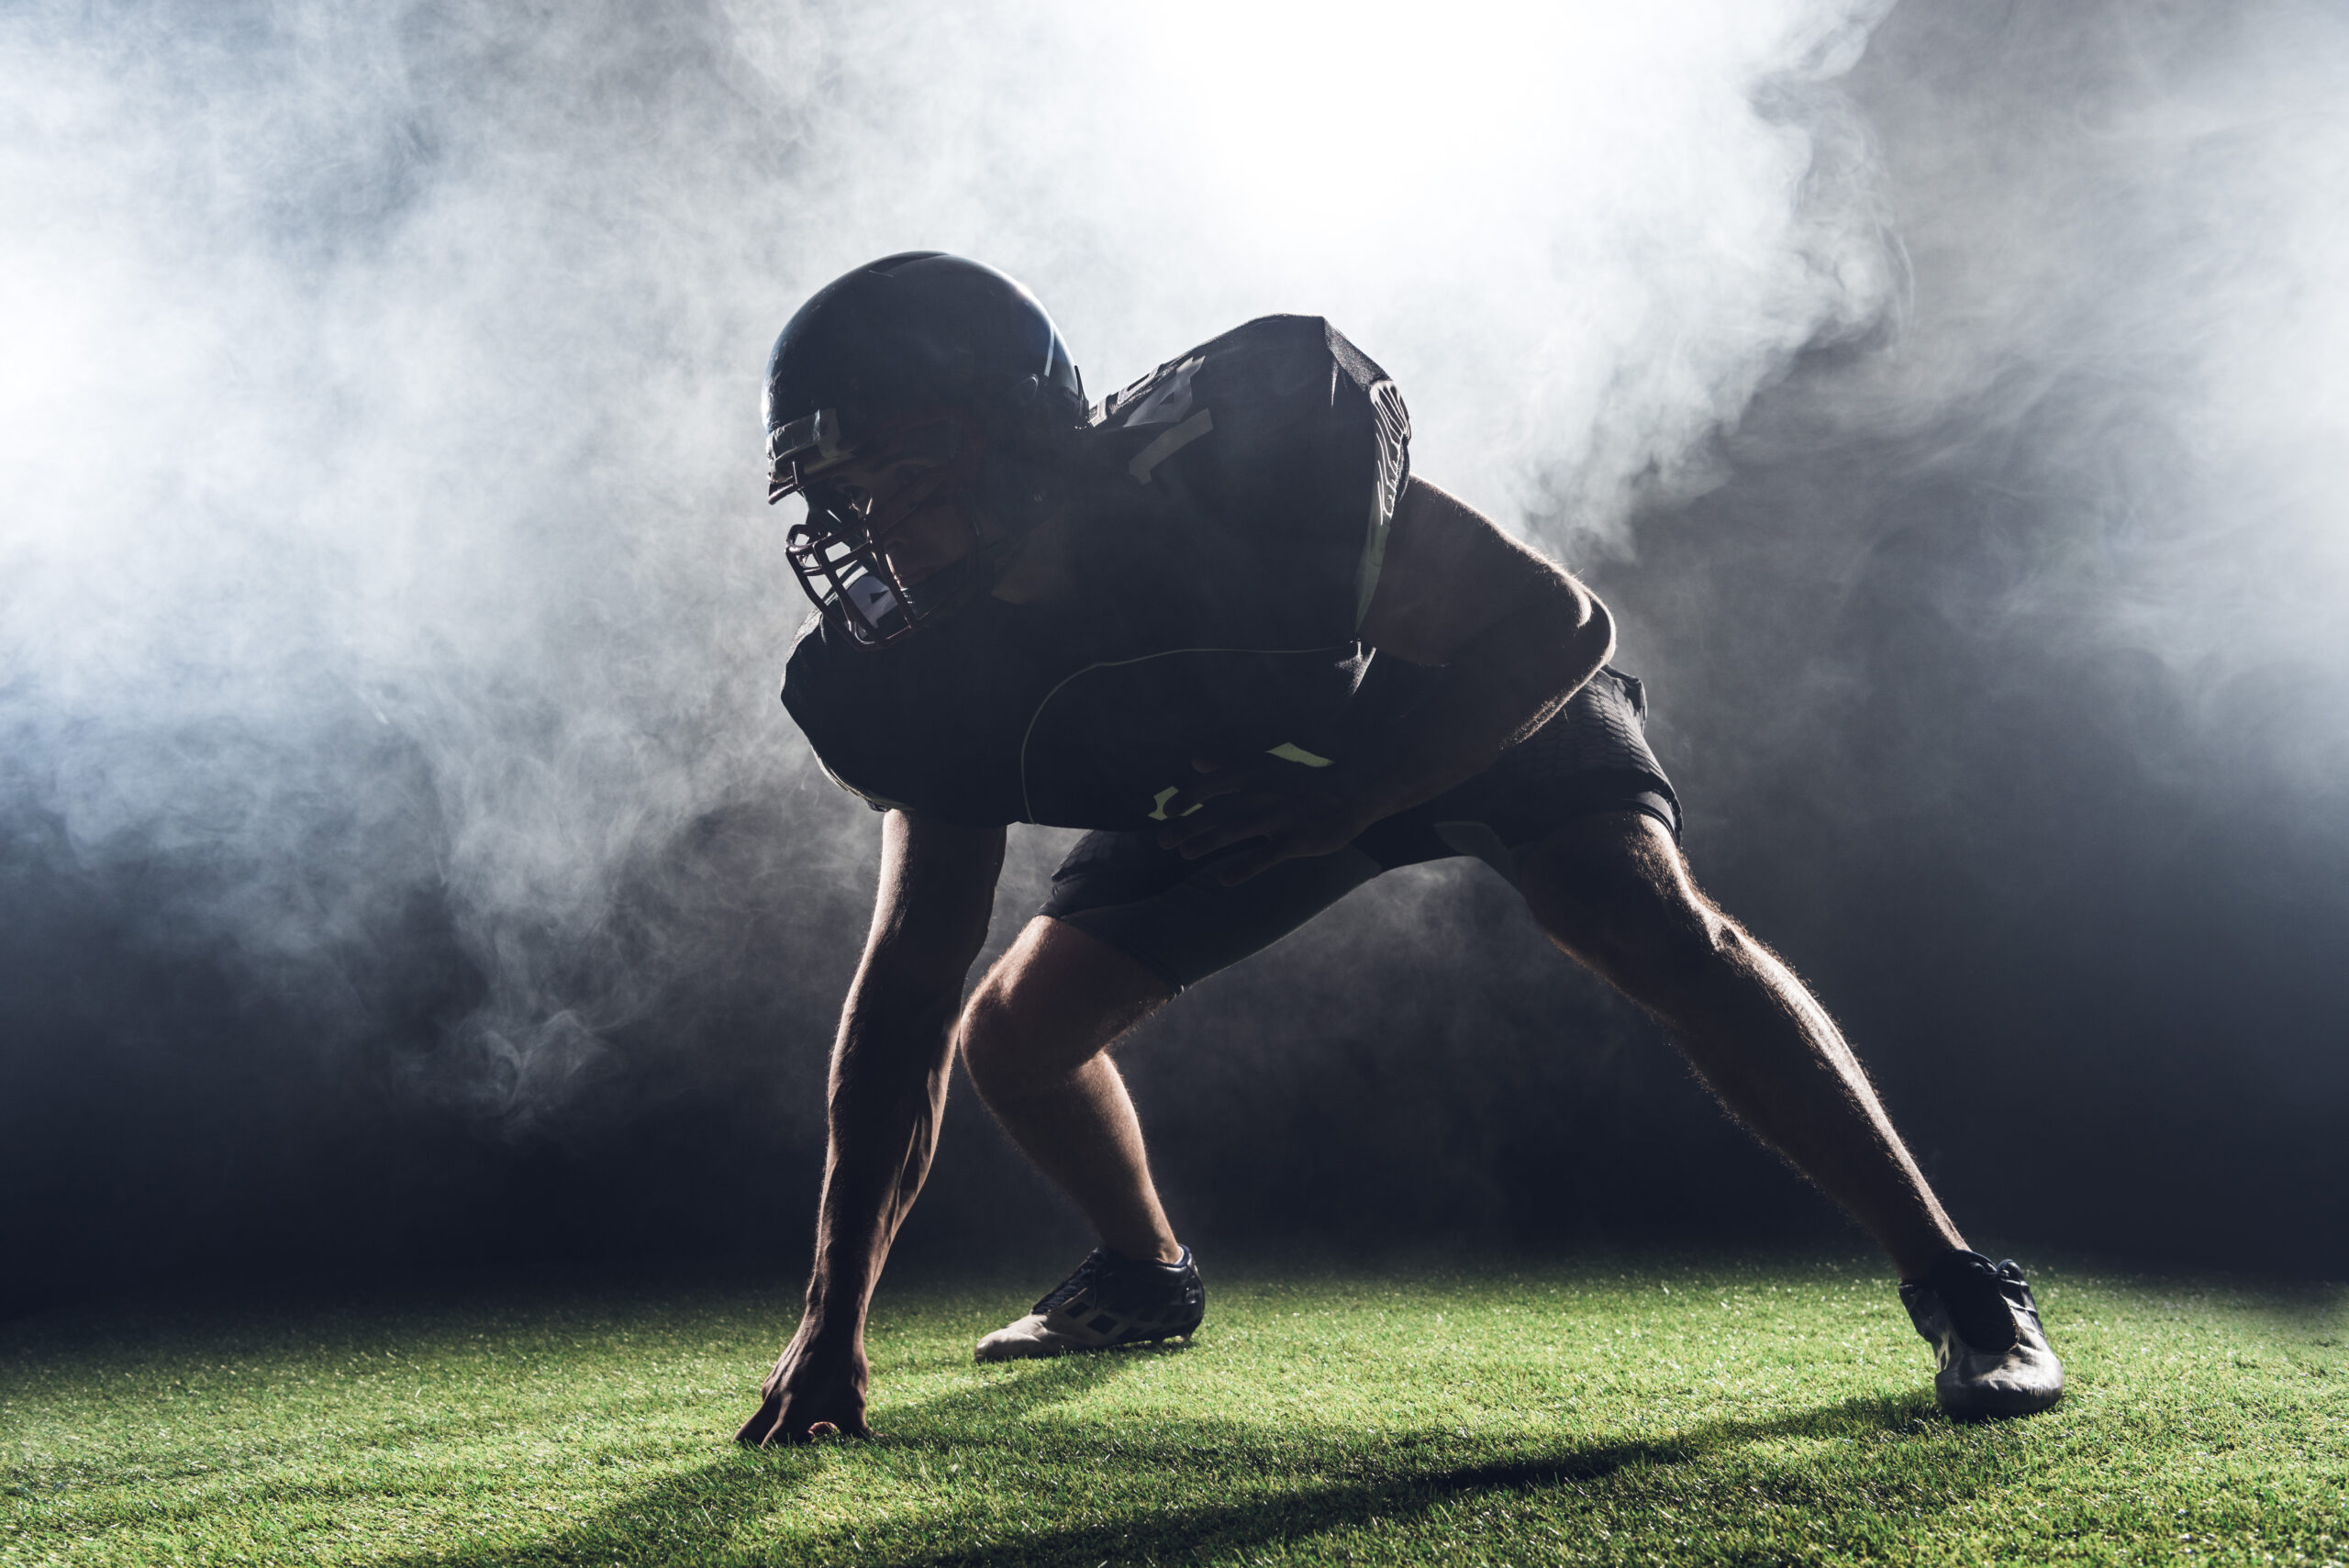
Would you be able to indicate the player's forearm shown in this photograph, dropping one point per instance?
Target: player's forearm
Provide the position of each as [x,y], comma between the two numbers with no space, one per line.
[887,1098]
[1497,688]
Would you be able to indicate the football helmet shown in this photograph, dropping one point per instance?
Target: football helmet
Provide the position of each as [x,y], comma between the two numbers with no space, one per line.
[945,374]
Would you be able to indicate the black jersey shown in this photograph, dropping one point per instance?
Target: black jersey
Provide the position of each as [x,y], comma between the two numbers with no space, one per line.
[1224,562]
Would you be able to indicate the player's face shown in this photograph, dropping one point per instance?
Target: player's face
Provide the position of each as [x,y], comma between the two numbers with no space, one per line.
[921,525]
[928,540]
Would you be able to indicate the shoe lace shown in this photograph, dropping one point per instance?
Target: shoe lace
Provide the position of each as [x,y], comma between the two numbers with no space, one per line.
[2016,1287]
[1097,1263]
[1972,1292]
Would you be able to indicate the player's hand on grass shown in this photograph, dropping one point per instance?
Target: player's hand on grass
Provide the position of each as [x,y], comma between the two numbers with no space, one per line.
[1295,810]
[813,1392]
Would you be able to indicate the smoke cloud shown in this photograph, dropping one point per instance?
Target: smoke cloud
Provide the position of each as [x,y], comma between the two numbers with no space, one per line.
[390,625]
[2004,670]
[381,429]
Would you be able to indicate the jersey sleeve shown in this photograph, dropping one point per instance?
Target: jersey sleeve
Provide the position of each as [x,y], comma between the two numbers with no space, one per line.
[821,691]
[931,727]
[1297,444]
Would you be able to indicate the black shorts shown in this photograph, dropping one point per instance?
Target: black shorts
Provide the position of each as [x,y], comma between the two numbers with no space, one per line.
[1172,917]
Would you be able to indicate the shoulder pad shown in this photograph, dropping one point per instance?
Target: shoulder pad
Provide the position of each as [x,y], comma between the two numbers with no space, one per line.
[1284,432]
[1278,357]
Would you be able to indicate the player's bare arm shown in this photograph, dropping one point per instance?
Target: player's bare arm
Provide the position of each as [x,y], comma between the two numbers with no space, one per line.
[1516,635]
[888,1093]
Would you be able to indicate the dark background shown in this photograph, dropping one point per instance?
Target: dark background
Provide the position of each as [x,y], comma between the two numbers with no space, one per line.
[2076,882]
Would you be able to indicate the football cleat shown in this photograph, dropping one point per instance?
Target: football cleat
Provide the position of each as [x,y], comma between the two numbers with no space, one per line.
[1984,1327]
[1110,1300]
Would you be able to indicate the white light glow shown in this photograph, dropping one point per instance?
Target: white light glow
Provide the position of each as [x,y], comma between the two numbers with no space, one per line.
[380,386]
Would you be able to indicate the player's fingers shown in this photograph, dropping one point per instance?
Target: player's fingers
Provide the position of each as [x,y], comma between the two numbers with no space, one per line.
[760,1426]
[1185,804]
[1240,868]
[1238,827]
[1220,781]
[1292,834]
[787,1434]
[1207,817]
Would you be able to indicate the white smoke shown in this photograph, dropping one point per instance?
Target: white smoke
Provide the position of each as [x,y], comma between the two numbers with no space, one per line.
[378,419]
[2128,316]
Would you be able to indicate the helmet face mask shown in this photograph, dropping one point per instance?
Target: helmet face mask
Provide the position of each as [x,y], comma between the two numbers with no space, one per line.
[864,496]
[914,400]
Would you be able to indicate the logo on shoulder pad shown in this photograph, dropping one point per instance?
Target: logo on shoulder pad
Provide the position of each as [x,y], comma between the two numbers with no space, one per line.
[1164,397]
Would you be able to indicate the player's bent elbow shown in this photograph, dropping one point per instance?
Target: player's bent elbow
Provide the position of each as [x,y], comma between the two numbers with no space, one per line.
[1594,640]
[1584,639]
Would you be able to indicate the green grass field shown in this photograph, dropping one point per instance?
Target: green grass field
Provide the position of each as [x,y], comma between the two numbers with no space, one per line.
[1720,1412]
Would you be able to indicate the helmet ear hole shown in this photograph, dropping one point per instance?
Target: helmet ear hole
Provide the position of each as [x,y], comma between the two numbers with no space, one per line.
[1029,413]
[1041,410]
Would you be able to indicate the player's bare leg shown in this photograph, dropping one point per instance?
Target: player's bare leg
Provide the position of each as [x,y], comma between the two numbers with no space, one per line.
[1613,891]
[1035,1037]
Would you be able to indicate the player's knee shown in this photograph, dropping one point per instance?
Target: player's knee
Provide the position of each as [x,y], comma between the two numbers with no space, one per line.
[989,1036]
[1019,1034]
[1049,1006]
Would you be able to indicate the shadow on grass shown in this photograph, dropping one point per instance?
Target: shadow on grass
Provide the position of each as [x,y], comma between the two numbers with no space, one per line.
[1328,1480]
[1413,1475]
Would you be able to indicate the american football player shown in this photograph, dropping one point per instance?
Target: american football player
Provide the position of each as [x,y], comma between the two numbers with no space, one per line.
[1218,623]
